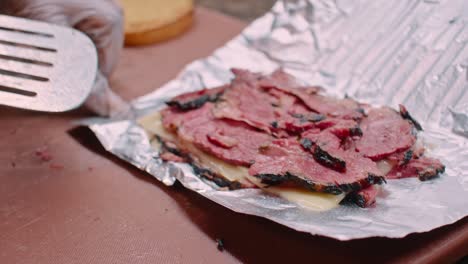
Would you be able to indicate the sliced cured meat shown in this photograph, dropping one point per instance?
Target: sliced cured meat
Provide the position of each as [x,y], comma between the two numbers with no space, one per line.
[294,126]
[342,128]
[296,123]
[271,109]
[324,139]
[271,130]
[196,99]
[284,161]
[401,158]
[219,139]
[285,82]
[328,160]
[231,141]
[343,108]
[243,102]
[327,149]
[384,132]
[324,146]
[365,197]
[424,168]
[267,110]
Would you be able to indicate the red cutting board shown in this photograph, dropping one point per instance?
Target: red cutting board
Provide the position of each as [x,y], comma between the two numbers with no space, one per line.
[87,206]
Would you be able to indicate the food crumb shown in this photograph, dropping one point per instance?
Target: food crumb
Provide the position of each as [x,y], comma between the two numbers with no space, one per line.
[43,154]
[220,244]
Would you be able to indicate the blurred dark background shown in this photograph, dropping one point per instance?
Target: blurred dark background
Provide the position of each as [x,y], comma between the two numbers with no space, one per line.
[246,10]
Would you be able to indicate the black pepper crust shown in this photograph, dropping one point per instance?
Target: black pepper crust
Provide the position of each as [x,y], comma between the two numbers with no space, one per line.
[323,157]
[195,103]
[406,115]
[407,157]
[430,173]
[328,160]
[214,177]
[198,170]
[354,198]
[311,117]
[333,188]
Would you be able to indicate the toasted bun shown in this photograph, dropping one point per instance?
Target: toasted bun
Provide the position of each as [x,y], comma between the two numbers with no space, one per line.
[151,21]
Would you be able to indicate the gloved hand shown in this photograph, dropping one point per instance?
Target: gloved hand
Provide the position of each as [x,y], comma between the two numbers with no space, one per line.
[101,20]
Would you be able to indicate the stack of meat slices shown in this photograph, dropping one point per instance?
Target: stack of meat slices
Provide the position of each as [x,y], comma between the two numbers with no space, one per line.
[270,132]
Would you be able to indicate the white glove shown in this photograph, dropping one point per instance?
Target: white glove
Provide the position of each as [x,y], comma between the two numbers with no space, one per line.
[101,20]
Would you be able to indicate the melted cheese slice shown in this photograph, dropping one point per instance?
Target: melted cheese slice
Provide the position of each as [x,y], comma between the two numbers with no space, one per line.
[310,200]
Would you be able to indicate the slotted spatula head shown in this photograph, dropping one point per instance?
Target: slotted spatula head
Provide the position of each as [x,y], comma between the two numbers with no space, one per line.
[44,67]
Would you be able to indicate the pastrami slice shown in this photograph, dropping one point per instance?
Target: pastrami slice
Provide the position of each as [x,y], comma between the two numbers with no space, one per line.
[243,102]
[384,133]
[289,135]
[228,140]
[424,168]
[285,161]
[343,108]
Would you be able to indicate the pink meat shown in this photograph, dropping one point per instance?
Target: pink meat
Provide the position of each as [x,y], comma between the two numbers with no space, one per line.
[231,141]
[384,133]
[424,168]
[285,82]
[284,160]
[267,110]
[342,108]
[243,102]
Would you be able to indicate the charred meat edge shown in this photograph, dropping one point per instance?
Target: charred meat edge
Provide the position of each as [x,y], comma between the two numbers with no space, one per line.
[214,177]
[355,198]
[324,158]
[199,170]
[275,179]
[312,117]
[406,115]
[430,173]
[197,102]
[407,157]
[327,160]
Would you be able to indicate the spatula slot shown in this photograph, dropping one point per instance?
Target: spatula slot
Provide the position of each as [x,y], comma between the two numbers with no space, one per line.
[24,76]
[36,62]
[8,89]
[36,33]
[29,46]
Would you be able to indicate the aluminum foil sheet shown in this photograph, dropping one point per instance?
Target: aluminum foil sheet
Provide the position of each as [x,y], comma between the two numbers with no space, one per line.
[382,52]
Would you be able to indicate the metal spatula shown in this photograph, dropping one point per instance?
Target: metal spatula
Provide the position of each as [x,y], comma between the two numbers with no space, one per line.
[44,67]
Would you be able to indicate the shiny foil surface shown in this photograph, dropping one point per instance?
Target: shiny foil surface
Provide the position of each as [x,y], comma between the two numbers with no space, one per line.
[412,52]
